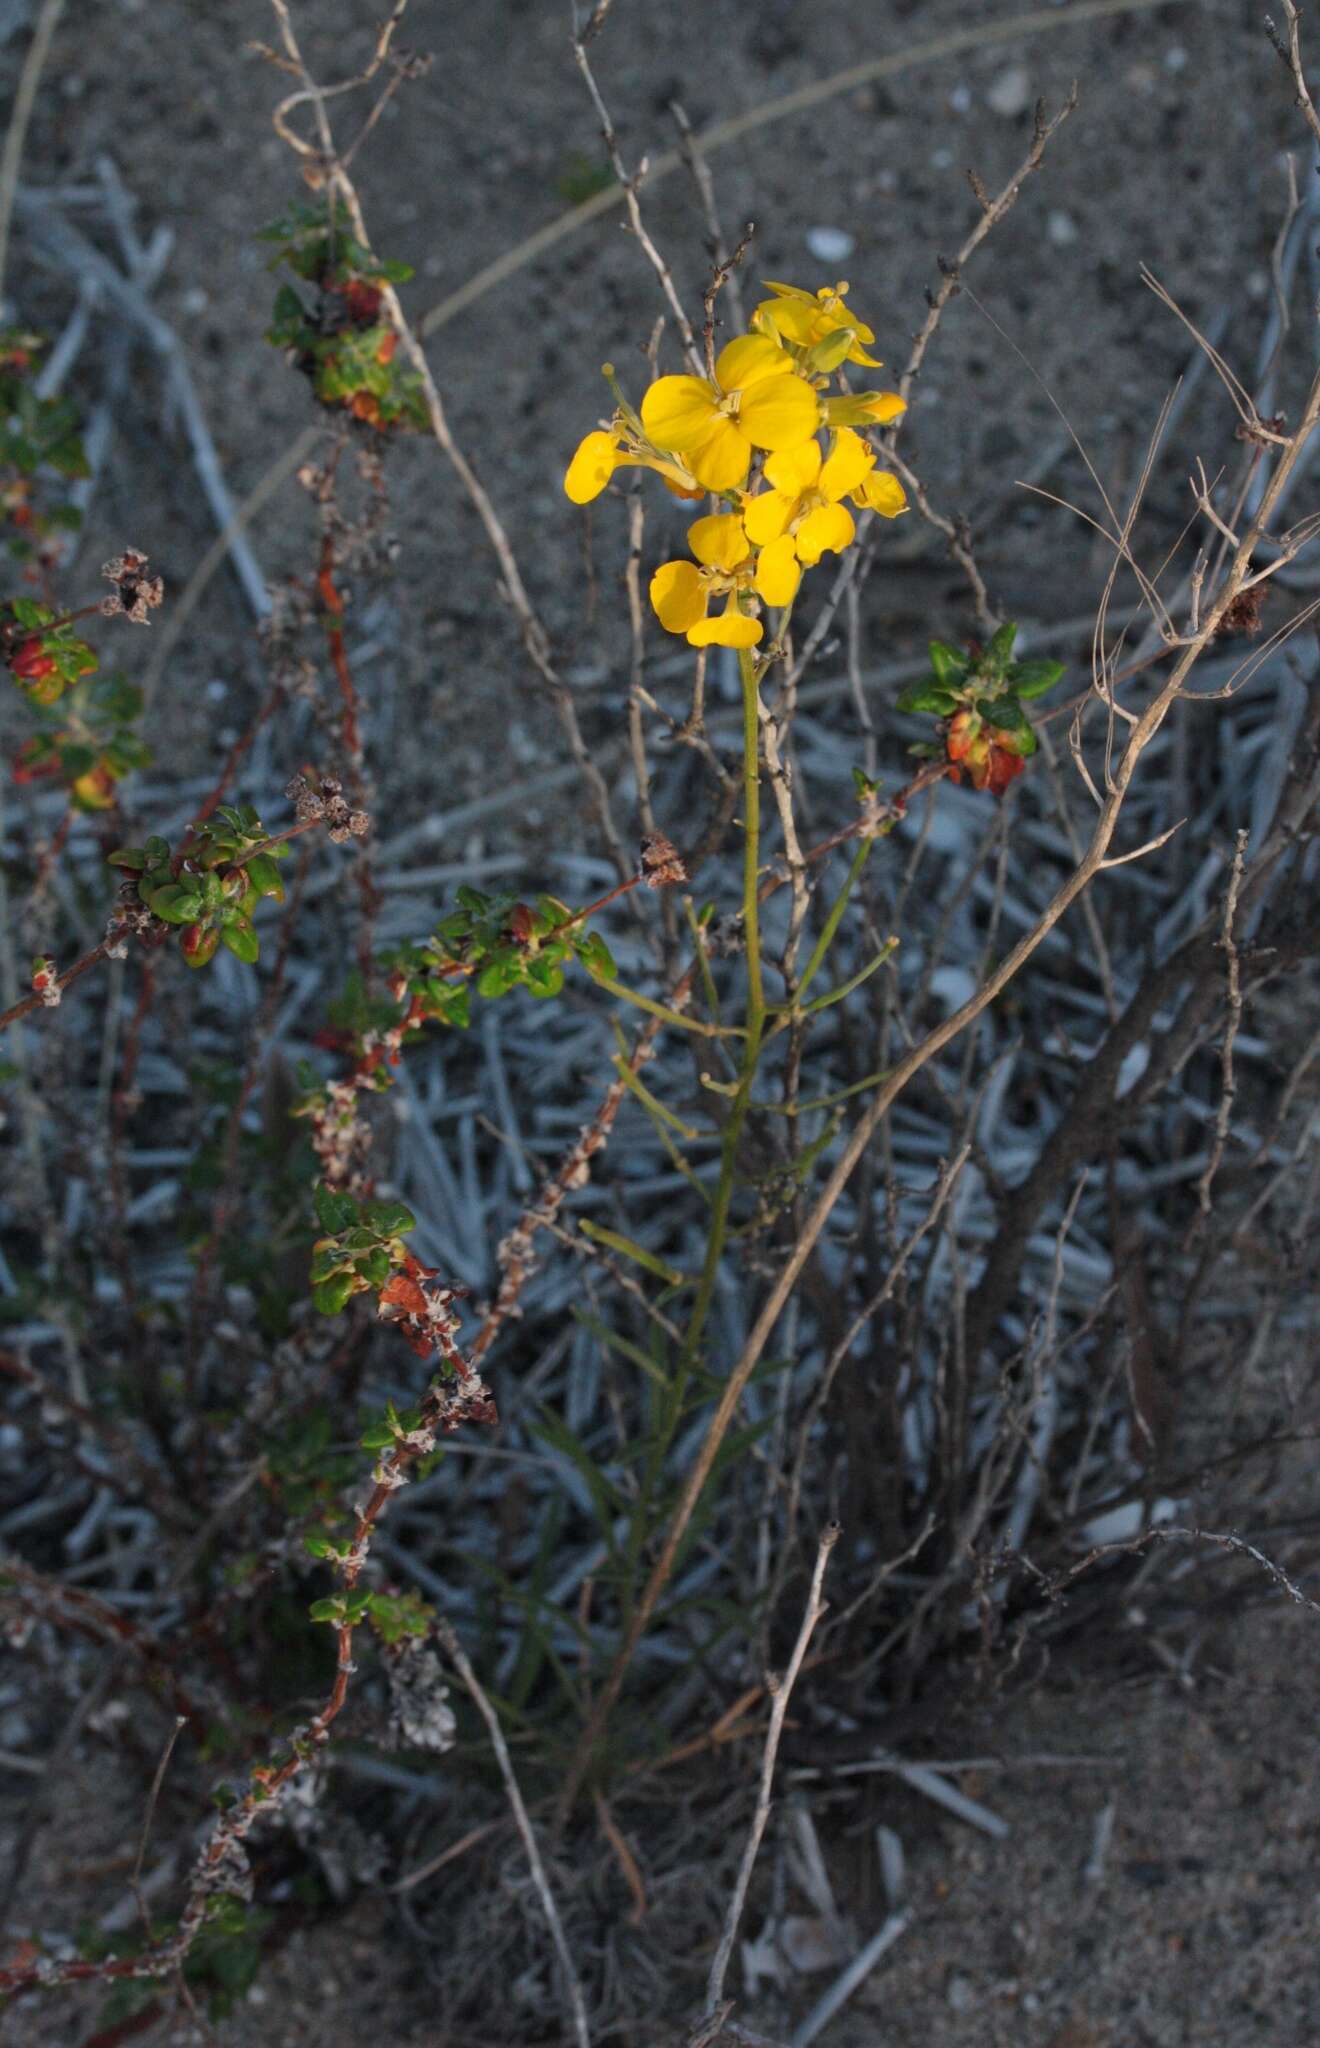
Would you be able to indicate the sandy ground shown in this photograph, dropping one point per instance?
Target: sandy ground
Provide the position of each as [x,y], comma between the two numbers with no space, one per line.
[1197,1926]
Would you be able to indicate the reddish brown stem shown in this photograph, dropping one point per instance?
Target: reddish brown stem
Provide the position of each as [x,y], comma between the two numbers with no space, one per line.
[62,981]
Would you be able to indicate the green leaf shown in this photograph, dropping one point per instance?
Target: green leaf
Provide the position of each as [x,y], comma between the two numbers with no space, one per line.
[375,1267]
[330,1295]
[1030,679]
[949,663]
[928,696]
[134,857]
[264,877]
[242,941]
[335,1210]
[331,1610]
[379,1437]
[29,613]
[596,956]
[1000,650]
[1005,713]
[500,973]
[388,1219]
[175,904]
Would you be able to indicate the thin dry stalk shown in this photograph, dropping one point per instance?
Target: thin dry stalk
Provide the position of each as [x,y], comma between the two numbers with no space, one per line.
[1228,1089]
[25,100]
[780,1693]
[629,183]
[458,1657]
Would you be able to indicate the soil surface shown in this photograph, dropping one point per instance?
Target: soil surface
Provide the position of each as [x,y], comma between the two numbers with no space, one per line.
[1187,1918]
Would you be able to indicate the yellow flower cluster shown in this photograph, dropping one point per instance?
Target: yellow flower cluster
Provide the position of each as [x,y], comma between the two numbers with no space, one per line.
[751,434]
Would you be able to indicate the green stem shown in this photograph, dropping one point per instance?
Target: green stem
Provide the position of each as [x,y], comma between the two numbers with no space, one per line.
[755,1024]
[661,1010]
[831,924]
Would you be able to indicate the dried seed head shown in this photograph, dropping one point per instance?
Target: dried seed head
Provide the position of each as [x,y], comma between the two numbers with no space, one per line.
[135,594]
[1243,614]
[661,864]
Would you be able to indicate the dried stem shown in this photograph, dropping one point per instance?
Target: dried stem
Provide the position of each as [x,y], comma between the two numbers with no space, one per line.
[780,1694]
[458,1657]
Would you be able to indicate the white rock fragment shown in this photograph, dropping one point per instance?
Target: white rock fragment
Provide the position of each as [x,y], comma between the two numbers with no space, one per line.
[1010,93]
[1062,229]
[830,245]
[960,100]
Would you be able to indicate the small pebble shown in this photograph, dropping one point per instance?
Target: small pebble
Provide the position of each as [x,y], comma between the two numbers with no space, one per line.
[1011,92]
[960,99]
[195,300]
[1175,59]
[830,245]
[960,1994]
[1062,229]
[941,159]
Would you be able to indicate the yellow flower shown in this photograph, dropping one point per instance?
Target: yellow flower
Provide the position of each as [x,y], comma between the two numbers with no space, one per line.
[804,501]
[806,319]
[681,592]
[599,454]
[756,401]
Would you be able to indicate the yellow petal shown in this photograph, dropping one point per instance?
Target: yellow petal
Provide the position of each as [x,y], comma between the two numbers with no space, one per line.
[846,464]
[830,526]
[766,515]
[730,628]
[748,360]
[779,412]
[786,291]
[719,541]
[863,409]
[592,467]
[678,596]
[794,319]
[882,493]
[777,572]
[883,406]
[794,470]
[677,411]
[722,459]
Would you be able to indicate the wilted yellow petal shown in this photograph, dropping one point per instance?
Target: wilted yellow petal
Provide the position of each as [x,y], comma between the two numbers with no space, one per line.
[883,406]
[677,411]
[863,409]
[592,467]
[882,493]
[722,459]
[729,628]
[678,596]
[719,541]
[846,465]
[766,515]
[779,412]
[748,360]
[829,526]
[794,470]
[777,572]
